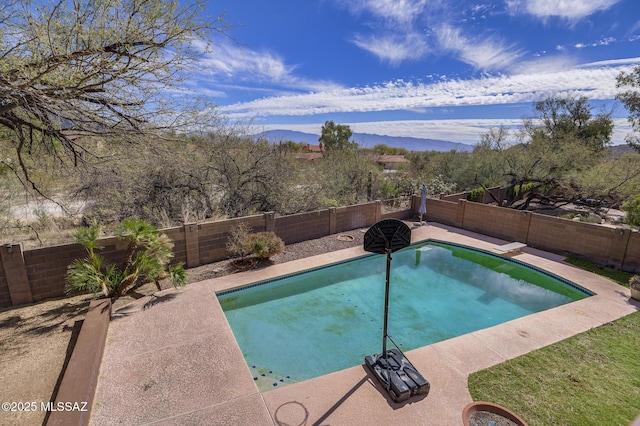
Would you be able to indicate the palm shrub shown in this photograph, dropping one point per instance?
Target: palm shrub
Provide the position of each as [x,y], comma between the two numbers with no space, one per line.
[145,260]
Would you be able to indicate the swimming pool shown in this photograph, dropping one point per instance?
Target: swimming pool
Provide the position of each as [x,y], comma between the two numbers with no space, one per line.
[312,323]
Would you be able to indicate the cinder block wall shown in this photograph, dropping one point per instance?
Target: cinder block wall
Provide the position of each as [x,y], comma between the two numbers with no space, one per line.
[357,216]
[445,212]
[5,297]
[43,270]
[212,237]
[616,246]
[495,221]
[303,226]
[632,252]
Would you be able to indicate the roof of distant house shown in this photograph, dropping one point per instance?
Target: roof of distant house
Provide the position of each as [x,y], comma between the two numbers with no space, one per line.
[312,148]
[312,156]
[390,159]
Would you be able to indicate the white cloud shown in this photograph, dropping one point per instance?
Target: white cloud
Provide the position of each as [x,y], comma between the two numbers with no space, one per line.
[233,62]
[393,48]
[572,10]
[487,54]
[612,62]
[593,82]
[456,130]
[544,64]
[396,11]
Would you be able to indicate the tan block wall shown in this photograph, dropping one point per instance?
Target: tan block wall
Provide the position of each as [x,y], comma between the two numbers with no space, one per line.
[445,212]
[179,244]
[357,216]
[632,255]
[302,226]
[212,237]
[454,197]
[400,214]
[563,235]
[494,221]
[599,243]
[5,297]
[47,266]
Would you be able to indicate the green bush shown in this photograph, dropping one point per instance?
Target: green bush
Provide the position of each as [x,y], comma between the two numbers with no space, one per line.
[266,244]
[632,208]
[475,195]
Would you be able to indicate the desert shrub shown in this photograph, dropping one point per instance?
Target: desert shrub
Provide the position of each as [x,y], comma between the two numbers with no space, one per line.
[238,243]
[266,244]
[241,242]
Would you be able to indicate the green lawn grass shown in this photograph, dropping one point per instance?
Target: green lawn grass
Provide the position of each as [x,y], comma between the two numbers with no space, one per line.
[589,379]
[621,277]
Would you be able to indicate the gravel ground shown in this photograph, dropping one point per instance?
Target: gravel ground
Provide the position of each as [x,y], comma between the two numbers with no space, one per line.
[291,252]
[36,340]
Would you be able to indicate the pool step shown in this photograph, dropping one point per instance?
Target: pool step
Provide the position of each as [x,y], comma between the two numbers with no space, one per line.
[487,297]
[267,379]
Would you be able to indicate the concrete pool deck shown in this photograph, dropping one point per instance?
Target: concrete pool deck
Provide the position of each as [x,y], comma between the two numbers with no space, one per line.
[172,358]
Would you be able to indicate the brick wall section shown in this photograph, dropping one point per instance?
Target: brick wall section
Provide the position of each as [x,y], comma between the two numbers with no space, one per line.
[15,275]
[632,255]
[494,221]
[357,216]
[445,212]
[212,237]
[562,235]
[179,239]
[5,297]
[599,243]
[303,226]
[400,214]
[454,197]
[47,267]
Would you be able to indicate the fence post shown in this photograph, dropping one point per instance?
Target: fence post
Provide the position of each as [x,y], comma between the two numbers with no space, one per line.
[333,220]
[270,221]
[462,203]
[378,215]
[15,273]
[415,205]
[618,245]
[192,244]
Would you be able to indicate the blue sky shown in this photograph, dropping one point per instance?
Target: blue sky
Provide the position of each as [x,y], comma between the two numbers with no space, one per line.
[421,68]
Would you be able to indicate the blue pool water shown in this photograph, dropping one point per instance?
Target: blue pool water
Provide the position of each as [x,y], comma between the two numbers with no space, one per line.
[324,320]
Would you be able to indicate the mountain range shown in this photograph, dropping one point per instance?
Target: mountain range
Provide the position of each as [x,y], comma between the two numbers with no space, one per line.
[366,140]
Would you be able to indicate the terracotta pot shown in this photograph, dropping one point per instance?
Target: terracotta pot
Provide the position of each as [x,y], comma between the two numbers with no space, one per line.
[491,408]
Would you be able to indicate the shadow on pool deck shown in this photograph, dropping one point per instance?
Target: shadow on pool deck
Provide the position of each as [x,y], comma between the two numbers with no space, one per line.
[177,362]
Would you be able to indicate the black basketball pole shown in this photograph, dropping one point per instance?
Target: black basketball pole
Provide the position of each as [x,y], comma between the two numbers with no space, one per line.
[387,286]
[391,368]
[386,318]
[386,303]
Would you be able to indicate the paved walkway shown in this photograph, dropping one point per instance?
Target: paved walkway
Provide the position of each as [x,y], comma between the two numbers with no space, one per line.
[172,358]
